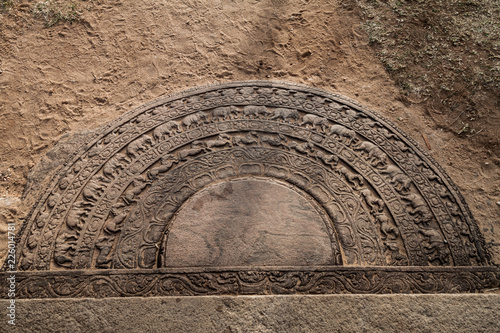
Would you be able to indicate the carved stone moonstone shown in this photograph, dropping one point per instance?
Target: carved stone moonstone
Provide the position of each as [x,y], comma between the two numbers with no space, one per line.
[250,188]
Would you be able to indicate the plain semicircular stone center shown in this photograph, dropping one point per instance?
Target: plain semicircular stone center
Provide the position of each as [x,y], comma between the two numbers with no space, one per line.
[242,222]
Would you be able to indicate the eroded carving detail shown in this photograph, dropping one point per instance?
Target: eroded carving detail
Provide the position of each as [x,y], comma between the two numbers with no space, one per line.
[240,281]
[388,202]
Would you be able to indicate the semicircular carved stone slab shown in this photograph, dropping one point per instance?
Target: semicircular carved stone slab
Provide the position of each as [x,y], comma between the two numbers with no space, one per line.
[350,190]
[249,222]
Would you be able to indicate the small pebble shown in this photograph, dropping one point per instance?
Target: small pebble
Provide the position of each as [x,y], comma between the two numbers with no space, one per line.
[498,203]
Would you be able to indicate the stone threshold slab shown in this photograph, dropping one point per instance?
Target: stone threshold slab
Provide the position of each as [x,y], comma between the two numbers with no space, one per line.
[320,313]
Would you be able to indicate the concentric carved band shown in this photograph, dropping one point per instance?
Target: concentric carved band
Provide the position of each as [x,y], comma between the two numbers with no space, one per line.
[387,202]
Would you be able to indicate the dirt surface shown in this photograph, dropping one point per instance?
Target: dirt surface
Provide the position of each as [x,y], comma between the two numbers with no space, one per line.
[76,76]
[445,55]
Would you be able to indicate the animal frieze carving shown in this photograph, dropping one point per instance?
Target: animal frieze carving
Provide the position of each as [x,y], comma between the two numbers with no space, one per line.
[383,200]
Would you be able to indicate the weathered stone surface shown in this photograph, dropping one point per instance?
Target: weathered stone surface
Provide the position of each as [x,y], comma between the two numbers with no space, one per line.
[334,313]
[266,280]
[254,222]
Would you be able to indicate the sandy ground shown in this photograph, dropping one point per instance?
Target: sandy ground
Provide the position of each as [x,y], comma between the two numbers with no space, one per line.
[77,76]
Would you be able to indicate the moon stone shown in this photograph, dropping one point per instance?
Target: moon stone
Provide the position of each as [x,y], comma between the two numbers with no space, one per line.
[245,188]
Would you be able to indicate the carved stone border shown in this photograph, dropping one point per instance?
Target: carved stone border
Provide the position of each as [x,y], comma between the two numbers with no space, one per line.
[253,281]
[377,160]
